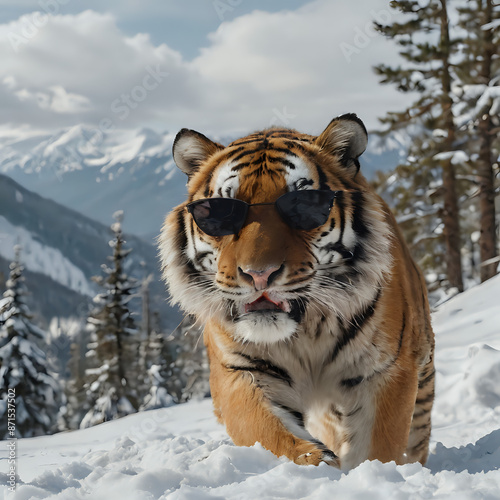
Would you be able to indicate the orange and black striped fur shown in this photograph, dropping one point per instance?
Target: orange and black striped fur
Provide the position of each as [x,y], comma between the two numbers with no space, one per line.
[340,367]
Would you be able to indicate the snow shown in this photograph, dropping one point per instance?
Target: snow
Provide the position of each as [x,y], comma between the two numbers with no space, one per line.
[66,138]
[491,26]
[79,146]
[41,258]
[486,99]
[456,157]
[181,452]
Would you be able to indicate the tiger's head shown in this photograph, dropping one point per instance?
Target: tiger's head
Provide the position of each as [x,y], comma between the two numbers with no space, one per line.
[278,226]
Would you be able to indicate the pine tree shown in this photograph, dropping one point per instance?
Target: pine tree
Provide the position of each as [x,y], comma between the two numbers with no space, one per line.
[425,44]
[478,114]
[111,376]
[59,338]
[411,192]
[23,364]
[147,352]
[158,362]
[77,405]
[187,376]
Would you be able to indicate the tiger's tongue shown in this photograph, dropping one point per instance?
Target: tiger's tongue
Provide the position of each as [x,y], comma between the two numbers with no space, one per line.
[264,303]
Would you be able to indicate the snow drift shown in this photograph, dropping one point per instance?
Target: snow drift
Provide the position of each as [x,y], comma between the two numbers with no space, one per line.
[181,452]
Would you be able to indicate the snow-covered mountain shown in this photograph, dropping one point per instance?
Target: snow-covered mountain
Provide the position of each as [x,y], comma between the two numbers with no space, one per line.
[182,452]
[62,250]
[98,173]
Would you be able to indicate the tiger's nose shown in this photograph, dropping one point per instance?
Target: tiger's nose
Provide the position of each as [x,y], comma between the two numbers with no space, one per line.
[261,279]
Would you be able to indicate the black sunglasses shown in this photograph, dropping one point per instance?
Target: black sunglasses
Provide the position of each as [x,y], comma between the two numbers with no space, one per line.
[304,210]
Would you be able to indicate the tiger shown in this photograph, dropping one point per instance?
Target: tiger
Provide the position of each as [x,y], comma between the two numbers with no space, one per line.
[316,318]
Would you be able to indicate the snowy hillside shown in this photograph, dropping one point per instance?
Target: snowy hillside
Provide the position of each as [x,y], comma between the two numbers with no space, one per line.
[40,258]
[182,453]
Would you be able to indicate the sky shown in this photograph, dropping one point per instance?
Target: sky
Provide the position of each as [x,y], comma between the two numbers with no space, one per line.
[217,66]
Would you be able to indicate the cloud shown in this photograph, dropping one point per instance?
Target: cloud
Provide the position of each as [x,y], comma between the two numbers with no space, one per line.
[316,62]
[298,68]
[55,99]
[74,67]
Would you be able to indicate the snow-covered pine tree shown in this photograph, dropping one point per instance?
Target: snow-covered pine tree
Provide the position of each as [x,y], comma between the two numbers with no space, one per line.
[23,364]
[177,365]
[187,375]
[412,191]
[425,44]
[112,372]
[59,338]
[76,400]
[157,362]
[478,115]
[146,358]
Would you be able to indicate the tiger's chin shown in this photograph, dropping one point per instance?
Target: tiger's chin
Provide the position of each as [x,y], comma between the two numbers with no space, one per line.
[266,327]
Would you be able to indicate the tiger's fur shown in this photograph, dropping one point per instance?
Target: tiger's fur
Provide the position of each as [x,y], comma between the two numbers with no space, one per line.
[346,373]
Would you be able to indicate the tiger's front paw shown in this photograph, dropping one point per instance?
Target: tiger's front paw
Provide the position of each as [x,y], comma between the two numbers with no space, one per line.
[316,456]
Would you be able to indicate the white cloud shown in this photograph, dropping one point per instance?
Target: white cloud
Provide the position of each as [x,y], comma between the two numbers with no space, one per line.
[262,67]
[56,99]
[297,61]
[261,49]
[78,65]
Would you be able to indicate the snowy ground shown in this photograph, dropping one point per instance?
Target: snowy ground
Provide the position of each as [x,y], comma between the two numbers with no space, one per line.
[182,453]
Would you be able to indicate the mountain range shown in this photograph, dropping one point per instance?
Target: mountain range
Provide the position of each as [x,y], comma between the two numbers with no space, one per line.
[99,173]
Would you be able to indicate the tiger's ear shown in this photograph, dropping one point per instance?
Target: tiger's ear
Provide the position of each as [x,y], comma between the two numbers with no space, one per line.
[191,149]
[345,137]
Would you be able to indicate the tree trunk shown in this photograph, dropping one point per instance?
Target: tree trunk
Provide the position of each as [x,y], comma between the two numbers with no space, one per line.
[451,227]
[487,239]
[450,212]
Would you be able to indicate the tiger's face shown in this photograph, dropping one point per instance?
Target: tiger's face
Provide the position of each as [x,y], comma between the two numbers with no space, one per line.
[278,225]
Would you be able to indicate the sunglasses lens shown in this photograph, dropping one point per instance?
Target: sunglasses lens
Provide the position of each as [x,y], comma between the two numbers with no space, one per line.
[219,216]
[306,209]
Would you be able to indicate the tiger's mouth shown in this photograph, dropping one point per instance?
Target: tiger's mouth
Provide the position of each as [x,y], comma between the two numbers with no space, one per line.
[267,319]
[267,303]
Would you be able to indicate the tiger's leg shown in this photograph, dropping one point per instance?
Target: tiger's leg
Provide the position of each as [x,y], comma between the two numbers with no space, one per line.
[418,442]
[242,407]
[395,404]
